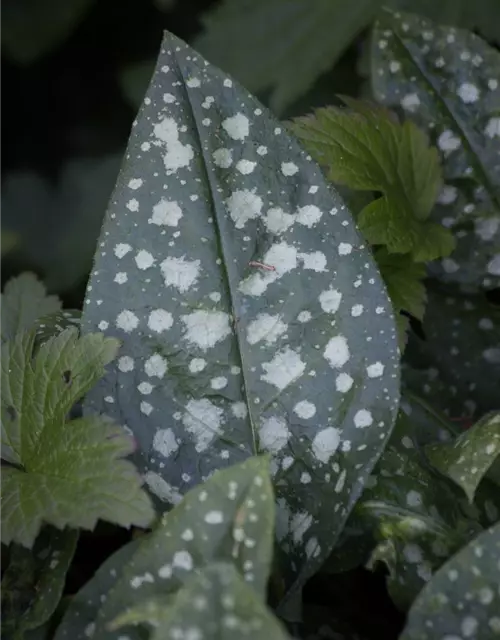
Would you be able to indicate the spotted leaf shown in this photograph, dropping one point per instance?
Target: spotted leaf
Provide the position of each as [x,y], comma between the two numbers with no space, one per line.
[468,458]
[229,518]
[214,603]
[252,315]
[53,324]
[448,81]
[462,599]
[33,581]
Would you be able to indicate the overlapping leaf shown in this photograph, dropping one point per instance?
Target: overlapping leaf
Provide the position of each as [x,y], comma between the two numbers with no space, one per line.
[462,600]
[252,316]
[33,581]
[214,603]
[230,518]
[65,474]
[447,80]
[53,324]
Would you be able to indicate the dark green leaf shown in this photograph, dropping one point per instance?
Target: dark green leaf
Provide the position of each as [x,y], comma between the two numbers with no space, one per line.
[24,301]
[33,581]
[67,474]
[55,323]
[214,604]
[462,599]
[468,458]
[447,81]
[252,316]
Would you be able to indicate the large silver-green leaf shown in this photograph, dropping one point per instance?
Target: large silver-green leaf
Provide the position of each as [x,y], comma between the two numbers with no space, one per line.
[448,81]
[251,314]
[462,600]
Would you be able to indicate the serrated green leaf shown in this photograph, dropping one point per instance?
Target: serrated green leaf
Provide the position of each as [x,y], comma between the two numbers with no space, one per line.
[446,80]
[214,603]
[53,324]
[33,581]
[24,301]
[31,29]
[67,473]
[468,458]
[229,518]
[245,300]
[462,599]
[366,148]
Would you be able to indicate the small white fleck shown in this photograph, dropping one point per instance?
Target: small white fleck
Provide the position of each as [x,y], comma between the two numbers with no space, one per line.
[214,517]
[362,419]
[305,409]
[337,352]
[135,183]
[343,382]
[344,249]
[125,364]
[273,434]
[121,250]
[245,166]
[127,321]
[155,365]
[223,158]
[160,320]
[218,383]
[330,300]
[144,260]
[165,442]
[325,444]
[197,364]
[237,127]
[375,370]
[183,560]
[166,213]
[289,168]
[410,102]
[468,92]
[180,273]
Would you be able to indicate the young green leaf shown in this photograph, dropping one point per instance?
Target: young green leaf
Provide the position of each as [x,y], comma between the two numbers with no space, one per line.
[33,581]
[447,81]
[214,603]
[53,324]
[462,599]
[228,518]
[253,317]
[66,473]
[366,148]
[24,301]
[467,460]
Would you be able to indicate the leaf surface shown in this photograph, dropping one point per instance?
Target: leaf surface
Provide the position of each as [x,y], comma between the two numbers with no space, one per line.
[66,473]
[462,599]
[447,81]
[252,316]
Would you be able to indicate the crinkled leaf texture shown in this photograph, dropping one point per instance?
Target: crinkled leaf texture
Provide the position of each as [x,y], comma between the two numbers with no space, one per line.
[253,317]
[366,148]
[53,324]
[468,458]
[24,301]
[33,581]
[230,518]
[214,603]
[448,81]
[66,473]
[462,600]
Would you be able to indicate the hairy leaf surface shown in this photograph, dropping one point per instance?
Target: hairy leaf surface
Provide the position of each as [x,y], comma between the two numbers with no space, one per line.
[252,316]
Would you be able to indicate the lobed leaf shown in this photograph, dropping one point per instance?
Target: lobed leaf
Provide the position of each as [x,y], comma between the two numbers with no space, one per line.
[33,581]
[446,80]
[252,316]
[468,458]
[66,473]
[214,603]
[462,599]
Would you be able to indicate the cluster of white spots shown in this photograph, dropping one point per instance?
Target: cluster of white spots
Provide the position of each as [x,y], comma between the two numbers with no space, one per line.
[180,273]
[161,488]
[223,158]
[283,369]
[218,383]
[245,166]
[155,365]
[127,321]
[325,444]
[363,418]
[410,102]
[448,141]
[273,434]
[160,320]
[468,92]
[375,370]
[144,260]
[492,129]
[266,327]
[166,213]
[343,382]
[178,155]
[337,352]
[239,410]
[135,183]
[299,524]
[305,409]
[133,205]
[121,250]
[165,442]
[237,127]
[125,364]
[243,205]
[289,168]
[203,420]
[315,261]
[493,266]
[330,300]
[277,221]
[206,328]
[197,364]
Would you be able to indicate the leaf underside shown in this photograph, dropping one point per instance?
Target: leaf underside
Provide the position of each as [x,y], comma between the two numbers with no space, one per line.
[252,317]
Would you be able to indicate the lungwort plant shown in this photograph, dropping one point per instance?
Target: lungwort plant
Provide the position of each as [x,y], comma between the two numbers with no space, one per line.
[240,353]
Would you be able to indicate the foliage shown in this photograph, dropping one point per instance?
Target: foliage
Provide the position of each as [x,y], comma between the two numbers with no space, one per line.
[256,391]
